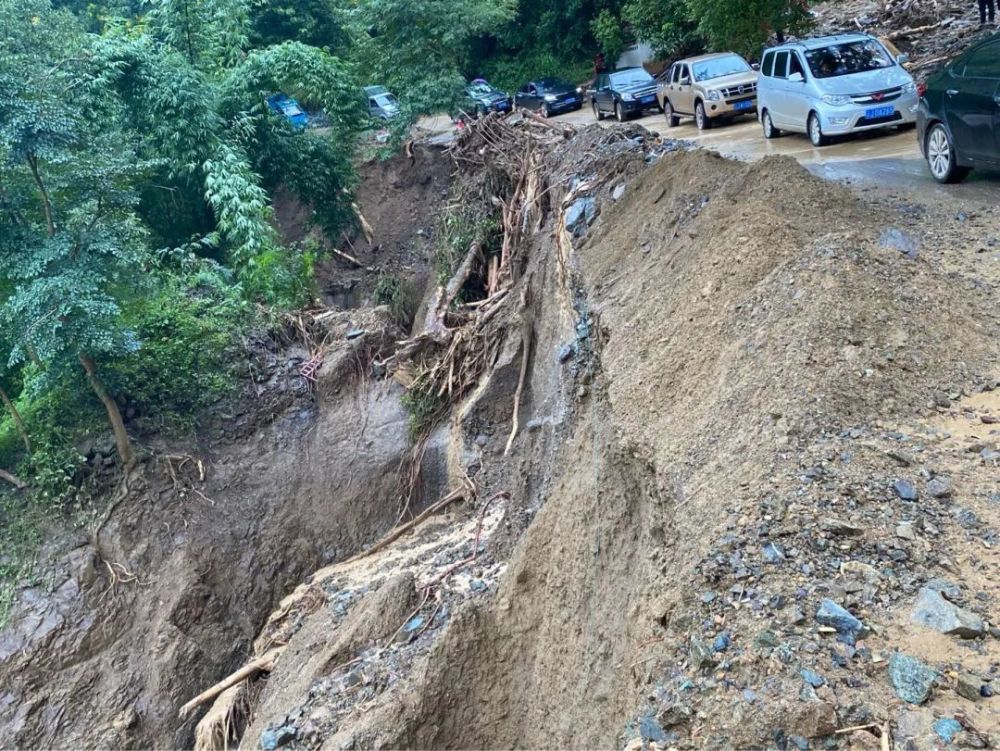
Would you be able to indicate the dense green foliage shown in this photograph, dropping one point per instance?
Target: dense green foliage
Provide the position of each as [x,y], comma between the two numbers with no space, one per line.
[139,156]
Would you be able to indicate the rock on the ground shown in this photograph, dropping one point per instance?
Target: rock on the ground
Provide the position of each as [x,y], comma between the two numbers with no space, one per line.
[939,487]
[905,490]
[810,719]
[947,728]
[581,215]
[910,678]
[833,615]
[967,686]
[933,611]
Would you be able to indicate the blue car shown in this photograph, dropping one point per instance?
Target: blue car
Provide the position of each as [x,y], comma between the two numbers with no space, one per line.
[284,105]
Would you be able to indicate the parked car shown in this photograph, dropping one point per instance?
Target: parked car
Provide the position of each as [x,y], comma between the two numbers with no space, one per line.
[709,88]
[382,105]
[623,93]
[958,121]
[481,97]
[834,86]
[549,96]
[284,105]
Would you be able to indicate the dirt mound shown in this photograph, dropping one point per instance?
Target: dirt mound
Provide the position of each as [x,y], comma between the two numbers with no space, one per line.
[751,323]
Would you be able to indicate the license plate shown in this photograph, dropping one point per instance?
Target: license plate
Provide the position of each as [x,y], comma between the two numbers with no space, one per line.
[745,105]
[875,113]
[649,99]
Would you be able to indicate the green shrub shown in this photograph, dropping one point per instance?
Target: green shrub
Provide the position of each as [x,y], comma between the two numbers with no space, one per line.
[425,407]
[184,354]
[282,278]
[394,293]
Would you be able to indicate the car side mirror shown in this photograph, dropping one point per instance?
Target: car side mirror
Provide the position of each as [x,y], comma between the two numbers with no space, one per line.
[686,81]
[797,78]
[903,59]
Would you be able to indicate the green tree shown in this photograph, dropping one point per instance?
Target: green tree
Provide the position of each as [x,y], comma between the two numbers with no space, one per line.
[744,26]
[70,241]
[664,24]
[422,48]
[608,33]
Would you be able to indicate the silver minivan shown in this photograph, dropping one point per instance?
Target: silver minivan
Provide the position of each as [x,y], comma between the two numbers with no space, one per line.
[834,86]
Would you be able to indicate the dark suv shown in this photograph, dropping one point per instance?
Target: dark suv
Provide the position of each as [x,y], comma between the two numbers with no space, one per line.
[958,122]
[623,93]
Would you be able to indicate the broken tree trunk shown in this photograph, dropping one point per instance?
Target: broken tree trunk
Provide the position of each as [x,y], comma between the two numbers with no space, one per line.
[12,479]
[263,664]
[16,415]
[111,407]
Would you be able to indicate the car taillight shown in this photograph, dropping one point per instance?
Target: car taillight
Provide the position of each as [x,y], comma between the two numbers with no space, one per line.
[921,89]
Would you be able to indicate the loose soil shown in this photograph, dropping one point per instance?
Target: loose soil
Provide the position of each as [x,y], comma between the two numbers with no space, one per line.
[728,368]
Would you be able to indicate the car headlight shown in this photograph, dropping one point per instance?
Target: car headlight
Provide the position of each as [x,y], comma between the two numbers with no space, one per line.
[910,88]
[550,97]
[579,89]
[837,100]
[628,97]
[713,96]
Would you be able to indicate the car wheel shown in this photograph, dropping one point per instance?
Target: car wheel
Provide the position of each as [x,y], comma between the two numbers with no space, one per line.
[619,112]
[668,110]
[815,129]
[597,111]
[701,118]
[941,157]
[768,125]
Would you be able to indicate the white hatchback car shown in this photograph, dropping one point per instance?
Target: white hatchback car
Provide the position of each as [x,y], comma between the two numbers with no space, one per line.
[834,86]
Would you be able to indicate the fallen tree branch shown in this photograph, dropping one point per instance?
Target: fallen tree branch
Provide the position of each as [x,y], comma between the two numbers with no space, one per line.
[347,257]
[263,664]
[12,479]
[522,377]
[903,33]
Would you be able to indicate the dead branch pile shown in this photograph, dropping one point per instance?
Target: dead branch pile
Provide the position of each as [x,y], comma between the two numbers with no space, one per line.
[462,340]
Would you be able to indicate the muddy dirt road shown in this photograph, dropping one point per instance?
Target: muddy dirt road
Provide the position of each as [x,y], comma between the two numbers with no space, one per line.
[882,158]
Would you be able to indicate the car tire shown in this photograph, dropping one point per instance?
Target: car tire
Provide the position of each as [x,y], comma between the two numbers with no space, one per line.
[941,157]
[597,111]
[701,118]
[768,125]
[815,130]
[668,111]
[619,112]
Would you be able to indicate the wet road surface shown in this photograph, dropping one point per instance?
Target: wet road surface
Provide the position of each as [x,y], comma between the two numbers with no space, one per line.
[883,158]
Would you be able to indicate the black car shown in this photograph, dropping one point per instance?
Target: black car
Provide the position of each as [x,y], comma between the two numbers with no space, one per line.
[481,98]
[958,121]
[549,96]
[623,93]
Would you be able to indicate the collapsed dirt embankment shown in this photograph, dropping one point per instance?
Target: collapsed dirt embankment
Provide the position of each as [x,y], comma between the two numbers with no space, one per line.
[716,410]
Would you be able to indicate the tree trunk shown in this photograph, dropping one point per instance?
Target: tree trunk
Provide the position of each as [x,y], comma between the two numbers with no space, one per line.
[15,481]
[114,414]
[18,422]
[46,202]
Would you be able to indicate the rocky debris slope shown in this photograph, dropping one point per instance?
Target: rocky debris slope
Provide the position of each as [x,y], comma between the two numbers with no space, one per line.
[768,520]
[718,471]
[930,31]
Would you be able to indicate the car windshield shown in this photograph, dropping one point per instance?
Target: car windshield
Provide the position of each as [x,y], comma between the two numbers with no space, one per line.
[848,58]
[386,100]
[630,77]
[548,84]
[719,67]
